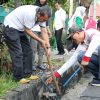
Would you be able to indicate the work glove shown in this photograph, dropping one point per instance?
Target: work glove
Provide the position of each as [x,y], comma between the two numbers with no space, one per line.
[84,63]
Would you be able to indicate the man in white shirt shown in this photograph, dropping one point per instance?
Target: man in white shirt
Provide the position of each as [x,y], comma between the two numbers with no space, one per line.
[19,21]
[87,53]
[59,25]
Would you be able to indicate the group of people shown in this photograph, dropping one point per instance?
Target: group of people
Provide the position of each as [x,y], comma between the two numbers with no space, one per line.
[26,31]
[32,20]
[86,35]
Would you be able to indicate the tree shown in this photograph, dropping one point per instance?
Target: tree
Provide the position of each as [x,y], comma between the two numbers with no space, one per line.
[17,3]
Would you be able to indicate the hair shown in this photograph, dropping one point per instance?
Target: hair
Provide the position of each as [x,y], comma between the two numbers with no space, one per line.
[73,30]
[37,3]
[98,24]
[45,10]
[58,1]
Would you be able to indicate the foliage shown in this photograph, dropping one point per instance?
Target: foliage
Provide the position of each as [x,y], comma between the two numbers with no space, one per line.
[8,4]
[27,2]
[6,83]
[64,3]
[5,60]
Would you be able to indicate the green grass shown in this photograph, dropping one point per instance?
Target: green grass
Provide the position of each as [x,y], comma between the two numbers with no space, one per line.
[57,62]
[6,83]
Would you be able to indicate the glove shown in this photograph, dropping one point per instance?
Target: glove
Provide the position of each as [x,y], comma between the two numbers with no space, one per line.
[84,63]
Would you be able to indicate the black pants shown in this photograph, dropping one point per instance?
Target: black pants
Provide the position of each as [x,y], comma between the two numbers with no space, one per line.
[94,64]
[20,51]
[58,35]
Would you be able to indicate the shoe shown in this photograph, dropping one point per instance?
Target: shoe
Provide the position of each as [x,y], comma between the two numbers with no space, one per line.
[58,54]
[23,81]
[95,82]
[66,51]
[41,67]
[33,77]
[34,68]
[62,53]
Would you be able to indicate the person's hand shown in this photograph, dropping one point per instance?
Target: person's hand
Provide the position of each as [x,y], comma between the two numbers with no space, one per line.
[43,43]
[49,80]
[84,63]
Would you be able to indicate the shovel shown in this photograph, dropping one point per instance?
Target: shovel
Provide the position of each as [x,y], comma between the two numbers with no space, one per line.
[50,67]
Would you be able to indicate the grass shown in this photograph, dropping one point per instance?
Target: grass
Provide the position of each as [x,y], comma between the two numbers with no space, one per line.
[6,83]
[57,62]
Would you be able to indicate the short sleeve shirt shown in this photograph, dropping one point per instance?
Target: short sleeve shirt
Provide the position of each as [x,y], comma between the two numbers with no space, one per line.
[22,17]
[60,15]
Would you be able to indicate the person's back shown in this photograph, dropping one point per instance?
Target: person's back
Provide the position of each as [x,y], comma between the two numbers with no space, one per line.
[23,16]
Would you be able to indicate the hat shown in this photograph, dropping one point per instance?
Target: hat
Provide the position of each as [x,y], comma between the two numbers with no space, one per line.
[73,30]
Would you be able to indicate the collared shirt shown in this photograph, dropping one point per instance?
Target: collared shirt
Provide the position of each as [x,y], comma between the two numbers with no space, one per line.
[22,17]
[60,15]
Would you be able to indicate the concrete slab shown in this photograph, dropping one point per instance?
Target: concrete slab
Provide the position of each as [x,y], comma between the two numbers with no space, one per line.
[91,92]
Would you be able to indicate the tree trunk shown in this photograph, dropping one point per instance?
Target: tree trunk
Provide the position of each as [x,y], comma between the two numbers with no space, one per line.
[71,9]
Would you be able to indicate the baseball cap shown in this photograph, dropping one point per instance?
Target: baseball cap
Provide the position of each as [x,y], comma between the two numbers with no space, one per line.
[73,30]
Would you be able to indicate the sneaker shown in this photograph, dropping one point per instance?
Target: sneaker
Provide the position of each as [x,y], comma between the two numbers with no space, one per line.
[41,67]
[66,51]
[95,82]
[34,68]
[62,53]
[23,81]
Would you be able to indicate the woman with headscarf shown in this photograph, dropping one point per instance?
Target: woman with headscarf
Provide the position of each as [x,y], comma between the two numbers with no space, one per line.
[77,18]
[75,21]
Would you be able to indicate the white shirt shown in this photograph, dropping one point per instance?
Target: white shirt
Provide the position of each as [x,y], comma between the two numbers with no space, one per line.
[92,39]
[36,28]
[60,15]
[22,17]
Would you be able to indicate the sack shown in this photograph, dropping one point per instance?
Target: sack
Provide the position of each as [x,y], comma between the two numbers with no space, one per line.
[91,23]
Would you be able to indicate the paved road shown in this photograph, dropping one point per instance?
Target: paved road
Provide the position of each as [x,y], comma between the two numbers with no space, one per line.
[82,90]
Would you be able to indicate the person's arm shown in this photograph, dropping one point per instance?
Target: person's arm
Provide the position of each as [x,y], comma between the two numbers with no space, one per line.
[69,63]
[95,42]
[49,31]
[45,37]
[31,34]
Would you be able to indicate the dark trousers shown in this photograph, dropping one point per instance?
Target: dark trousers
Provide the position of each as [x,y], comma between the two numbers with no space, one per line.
[94,64]
[58,35]
[20,51]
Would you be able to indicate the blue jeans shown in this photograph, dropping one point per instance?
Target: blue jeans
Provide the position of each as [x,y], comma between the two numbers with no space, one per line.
[94,64]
